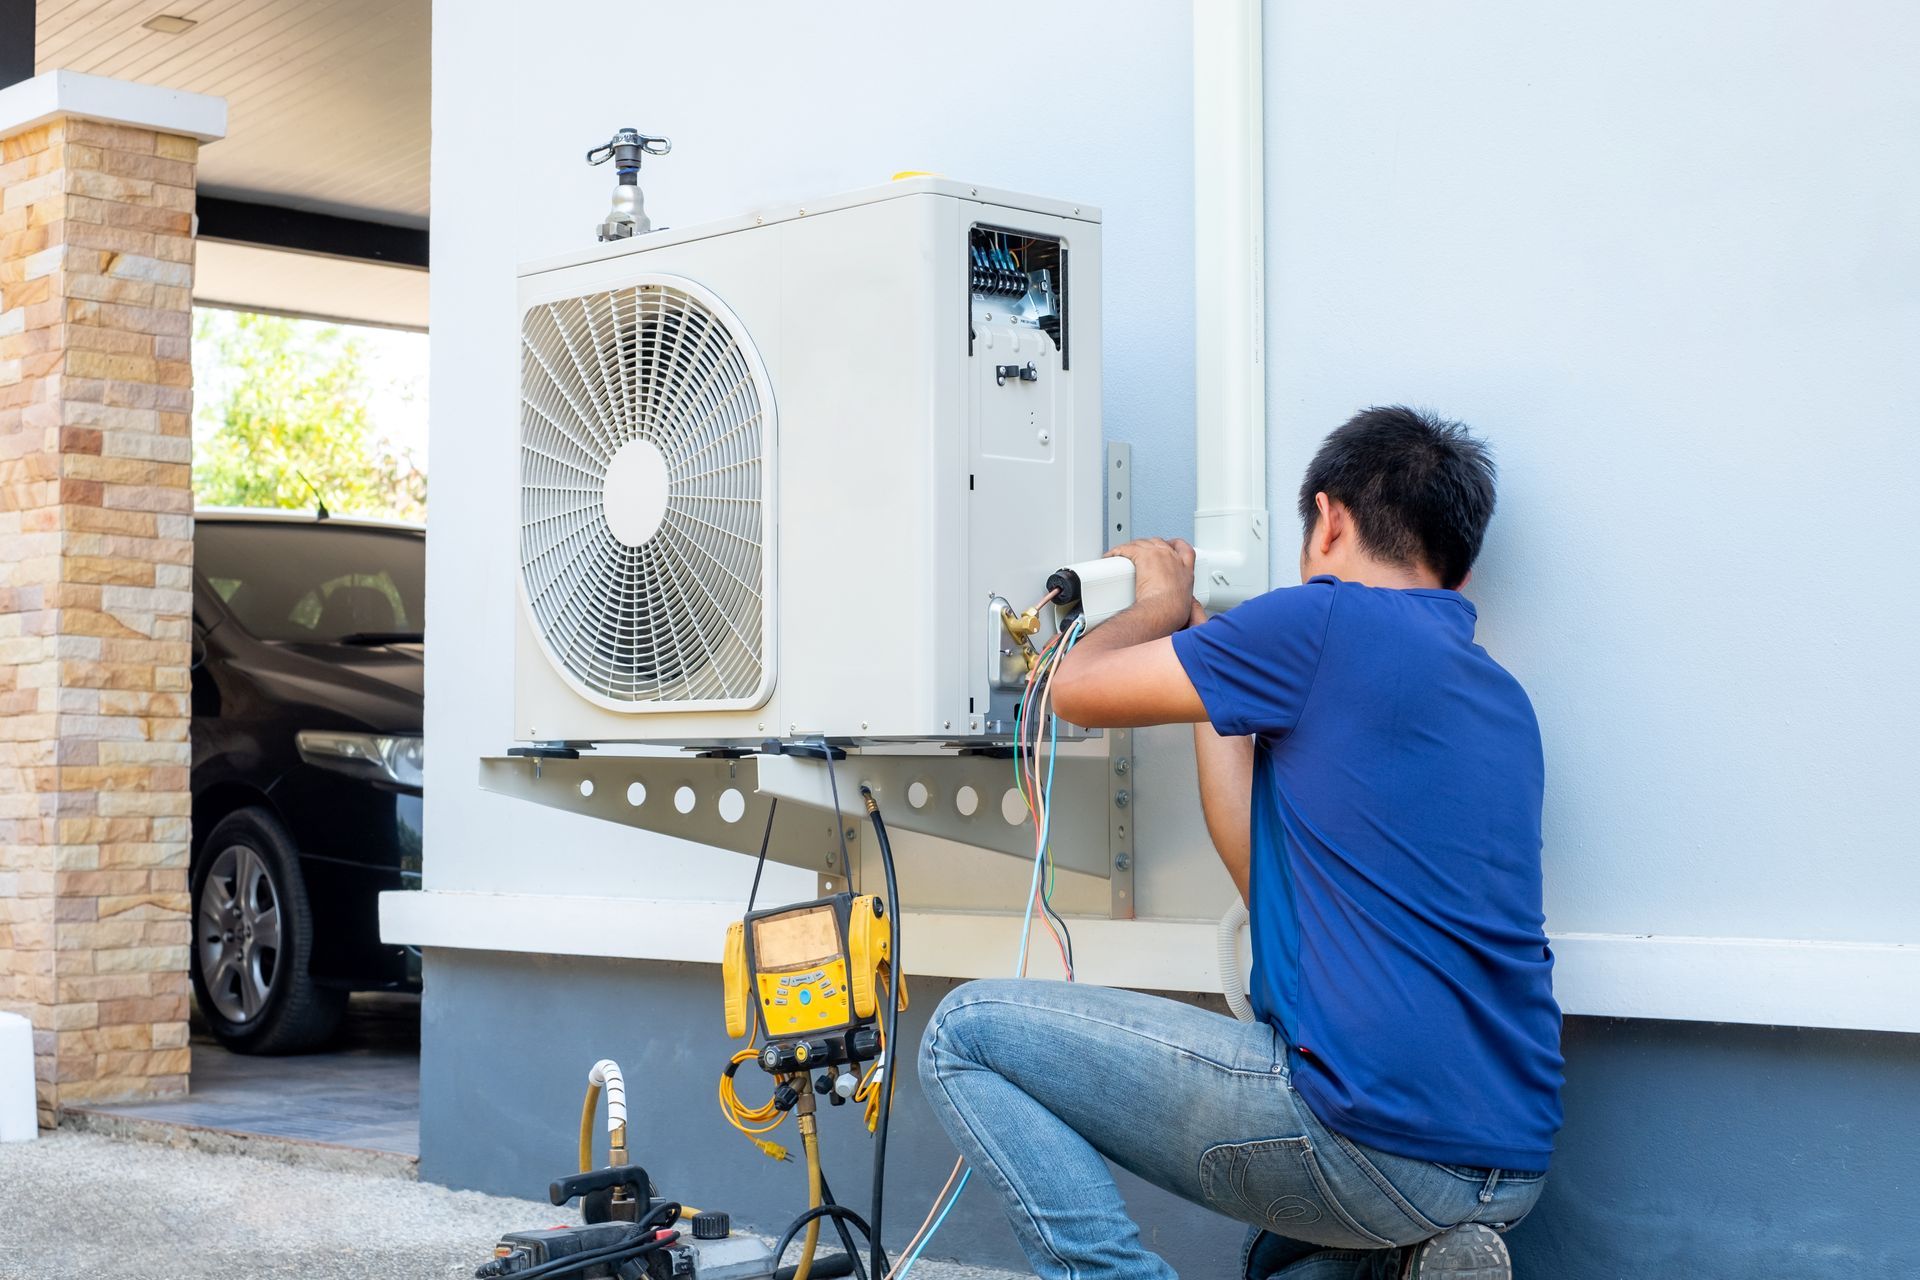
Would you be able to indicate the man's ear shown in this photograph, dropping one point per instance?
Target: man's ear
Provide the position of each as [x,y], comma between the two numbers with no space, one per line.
[1331,526]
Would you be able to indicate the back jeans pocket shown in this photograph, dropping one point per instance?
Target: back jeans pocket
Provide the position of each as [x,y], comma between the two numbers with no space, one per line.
[1278,1185]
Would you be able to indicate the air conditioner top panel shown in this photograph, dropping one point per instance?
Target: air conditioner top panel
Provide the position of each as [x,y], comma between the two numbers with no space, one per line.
[813,208]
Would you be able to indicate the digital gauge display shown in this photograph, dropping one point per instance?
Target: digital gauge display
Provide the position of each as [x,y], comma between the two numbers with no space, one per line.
[796,940]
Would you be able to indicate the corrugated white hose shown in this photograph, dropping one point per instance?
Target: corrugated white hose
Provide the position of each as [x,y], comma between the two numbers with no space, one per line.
[606,1074]
[1233,982]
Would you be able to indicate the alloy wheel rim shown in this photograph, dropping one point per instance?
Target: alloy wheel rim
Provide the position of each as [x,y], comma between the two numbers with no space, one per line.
[238,929]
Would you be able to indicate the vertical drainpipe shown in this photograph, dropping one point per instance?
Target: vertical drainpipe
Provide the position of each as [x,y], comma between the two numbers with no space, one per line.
[1229,211]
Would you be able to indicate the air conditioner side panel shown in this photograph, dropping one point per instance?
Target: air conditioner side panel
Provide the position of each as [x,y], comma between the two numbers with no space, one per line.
[871,533]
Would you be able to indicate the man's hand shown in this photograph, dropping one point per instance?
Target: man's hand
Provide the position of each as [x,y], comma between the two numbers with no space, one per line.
[1162,583]
[1124,672]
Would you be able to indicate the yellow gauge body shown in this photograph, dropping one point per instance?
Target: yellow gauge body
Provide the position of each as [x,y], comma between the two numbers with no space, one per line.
[809,969]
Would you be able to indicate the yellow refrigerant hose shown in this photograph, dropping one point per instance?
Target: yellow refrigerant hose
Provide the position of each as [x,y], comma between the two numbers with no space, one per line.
[814,1196]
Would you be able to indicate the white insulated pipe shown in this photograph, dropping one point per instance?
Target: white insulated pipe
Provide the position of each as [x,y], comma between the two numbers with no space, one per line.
[1230,393]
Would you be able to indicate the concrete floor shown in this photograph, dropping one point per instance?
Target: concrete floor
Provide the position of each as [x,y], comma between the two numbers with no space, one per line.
[363,1092]
[79,1206]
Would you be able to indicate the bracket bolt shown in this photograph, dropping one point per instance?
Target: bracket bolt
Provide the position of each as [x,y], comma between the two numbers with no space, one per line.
[1121,862]
[1121,764]
[1122,798]
[853,833]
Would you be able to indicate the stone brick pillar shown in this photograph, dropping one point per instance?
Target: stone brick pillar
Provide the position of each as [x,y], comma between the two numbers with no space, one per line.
[96,546]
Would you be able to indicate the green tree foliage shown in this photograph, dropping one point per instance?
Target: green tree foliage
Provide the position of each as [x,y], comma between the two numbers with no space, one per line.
[279,399]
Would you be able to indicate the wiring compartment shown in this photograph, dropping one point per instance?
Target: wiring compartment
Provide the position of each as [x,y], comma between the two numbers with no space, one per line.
[1014,277]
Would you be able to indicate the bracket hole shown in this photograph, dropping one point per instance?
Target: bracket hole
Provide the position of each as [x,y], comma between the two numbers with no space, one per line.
[586,786]
[918,795]
[684,799]
[733,805]
[1012,807]
[967,801]
[636,794]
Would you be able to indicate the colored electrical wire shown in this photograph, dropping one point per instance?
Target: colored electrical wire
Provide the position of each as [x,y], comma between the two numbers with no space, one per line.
[1038,792]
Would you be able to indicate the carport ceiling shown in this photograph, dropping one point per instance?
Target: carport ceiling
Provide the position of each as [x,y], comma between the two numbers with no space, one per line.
[327,100]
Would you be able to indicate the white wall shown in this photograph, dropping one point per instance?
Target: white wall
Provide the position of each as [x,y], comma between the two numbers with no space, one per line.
[1665,255]
[765,102]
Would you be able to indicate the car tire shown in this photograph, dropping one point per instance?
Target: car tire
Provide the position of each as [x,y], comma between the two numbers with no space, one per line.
[252,939]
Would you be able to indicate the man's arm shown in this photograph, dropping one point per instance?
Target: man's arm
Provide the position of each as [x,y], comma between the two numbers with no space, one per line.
[1124,673]
[1226,798]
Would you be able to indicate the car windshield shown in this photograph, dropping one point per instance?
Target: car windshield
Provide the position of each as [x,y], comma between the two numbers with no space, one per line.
[319,583]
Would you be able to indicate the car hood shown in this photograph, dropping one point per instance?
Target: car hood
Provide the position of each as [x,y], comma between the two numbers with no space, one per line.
[382,686]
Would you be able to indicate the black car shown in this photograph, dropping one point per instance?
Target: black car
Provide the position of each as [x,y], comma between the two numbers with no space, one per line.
[307,754]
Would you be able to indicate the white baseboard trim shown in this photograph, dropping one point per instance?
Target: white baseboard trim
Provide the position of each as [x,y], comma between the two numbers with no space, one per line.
[1784,982]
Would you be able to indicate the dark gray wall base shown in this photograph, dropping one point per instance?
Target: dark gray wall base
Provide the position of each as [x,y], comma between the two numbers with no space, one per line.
[1715,1151]
[1697,1150]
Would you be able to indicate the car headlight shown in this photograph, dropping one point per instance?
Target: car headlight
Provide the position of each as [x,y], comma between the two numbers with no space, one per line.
[365,755]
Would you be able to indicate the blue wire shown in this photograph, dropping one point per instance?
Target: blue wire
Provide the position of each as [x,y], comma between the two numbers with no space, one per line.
[935,1229]
[1026,931]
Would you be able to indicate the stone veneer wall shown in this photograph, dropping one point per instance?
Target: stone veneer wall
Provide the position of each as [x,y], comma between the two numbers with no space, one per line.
[96,546]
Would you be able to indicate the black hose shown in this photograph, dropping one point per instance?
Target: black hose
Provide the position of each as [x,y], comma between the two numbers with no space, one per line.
[846,1241]
[877,1257]
[799,1224]
[831,1267]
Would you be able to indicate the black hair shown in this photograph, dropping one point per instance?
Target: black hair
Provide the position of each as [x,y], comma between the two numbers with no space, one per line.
[1420,488]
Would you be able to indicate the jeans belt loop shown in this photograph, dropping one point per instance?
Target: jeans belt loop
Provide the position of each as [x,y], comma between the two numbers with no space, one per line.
[1493,1181]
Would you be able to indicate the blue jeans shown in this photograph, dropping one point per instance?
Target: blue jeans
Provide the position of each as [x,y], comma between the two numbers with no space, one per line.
[1041,1083]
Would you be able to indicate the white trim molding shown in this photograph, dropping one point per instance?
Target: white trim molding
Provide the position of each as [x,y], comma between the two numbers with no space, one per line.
[1788,982]
[1855,985]
[31,103]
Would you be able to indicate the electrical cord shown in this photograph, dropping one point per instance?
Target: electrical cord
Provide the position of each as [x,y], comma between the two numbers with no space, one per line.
[613,1253]
[666,1211]
[766,839]
[839,820]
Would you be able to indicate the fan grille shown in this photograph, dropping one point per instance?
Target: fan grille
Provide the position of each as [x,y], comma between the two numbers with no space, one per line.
[667,606]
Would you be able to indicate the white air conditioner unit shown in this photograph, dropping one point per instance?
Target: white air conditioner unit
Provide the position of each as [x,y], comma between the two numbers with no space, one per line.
[772,469]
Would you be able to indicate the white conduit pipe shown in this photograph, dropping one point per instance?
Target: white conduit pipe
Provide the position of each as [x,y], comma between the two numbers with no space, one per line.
[606,1074]
[1230,391]
[1233,982]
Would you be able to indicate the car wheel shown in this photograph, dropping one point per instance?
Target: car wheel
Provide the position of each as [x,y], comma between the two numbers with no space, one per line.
[252,936]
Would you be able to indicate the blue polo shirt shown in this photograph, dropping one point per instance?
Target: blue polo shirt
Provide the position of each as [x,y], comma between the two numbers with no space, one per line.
[1398,938]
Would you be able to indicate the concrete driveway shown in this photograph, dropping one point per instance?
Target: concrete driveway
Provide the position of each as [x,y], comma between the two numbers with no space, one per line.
[80,1206]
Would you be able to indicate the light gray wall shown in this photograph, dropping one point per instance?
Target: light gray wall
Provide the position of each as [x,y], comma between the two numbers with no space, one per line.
[1661,255]
[1664,255]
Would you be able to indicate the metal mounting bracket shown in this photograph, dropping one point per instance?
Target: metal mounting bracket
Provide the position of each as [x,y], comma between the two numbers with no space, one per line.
[724,803]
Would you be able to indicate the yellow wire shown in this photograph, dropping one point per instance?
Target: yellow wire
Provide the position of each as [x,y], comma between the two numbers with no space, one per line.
[867,1092]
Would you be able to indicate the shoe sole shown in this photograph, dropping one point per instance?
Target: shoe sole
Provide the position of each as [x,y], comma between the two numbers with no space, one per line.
[1465,1253]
